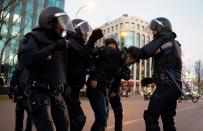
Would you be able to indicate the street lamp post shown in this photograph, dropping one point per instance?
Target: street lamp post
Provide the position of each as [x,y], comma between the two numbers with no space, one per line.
[80,9]
[90,4]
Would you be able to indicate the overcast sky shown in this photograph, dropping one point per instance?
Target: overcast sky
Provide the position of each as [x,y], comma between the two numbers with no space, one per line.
[185,15]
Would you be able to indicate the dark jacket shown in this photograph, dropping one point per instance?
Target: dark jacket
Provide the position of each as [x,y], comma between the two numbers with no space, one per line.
[19,81]
[107,62]
[79,61]
[122,73]
[40,54]
[166,56]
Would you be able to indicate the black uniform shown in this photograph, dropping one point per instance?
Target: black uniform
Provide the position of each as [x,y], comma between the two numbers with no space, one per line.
[107,62]
[78,59]
[115,102]
[43,54]
[166,57]
[20,90]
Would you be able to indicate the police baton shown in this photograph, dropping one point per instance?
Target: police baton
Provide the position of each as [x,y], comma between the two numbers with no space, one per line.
[174,81]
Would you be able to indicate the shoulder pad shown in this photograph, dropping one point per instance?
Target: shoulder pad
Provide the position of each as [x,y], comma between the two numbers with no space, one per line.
[28,35]
[26,38]
[41,37]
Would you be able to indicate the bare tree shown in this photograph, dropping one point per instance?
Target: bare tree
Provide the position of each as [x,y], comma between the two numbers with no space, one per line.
[198,66]
[8,20]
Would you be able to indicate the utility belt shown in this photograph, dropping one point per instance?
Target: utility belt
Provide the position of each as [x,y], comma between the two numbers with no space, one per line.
[162,79]
[46,86]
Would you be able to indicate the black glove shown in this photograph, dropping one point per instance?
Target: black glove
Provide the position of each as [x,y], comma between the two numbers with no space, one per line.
[60,44]
[146,81]
[96,34]
[166,35]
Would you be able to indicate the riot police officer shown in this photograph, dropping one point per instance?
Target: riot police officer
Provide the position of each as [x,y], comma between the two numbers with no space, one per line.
[166,54]
[19,92]
[114,96]
[79,61]
[108,61]
[42,52]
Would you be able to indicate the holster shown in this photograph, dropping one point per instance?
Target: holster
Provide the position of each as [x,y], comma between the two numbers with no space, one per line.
[161,79]
[37,101]
[28,105]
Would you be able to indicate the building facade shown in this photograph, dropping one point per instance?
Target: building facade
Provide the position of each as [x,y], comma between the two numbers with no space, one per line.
[22,17]
[189,77]
[132,31]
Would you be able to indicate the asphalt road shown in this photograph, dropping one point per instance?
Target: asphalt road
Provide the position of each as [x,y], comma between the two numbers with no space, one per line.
[189,115]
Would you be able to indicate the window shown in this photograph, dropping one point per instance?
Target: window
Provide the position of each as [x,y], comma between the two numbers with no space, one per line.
[143,28]
[137,44]
[121,25]
[127,24]
[148,68]
[138,27]
[137,71]
[143,41]
[116,27]
[142,68]
[127,38]
[133,25]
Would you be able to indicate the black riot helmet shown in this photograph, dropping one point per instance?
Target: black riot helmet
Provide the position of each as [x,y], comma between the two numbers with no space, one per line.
[111,39]
[51,16]
[81,28]
[160,24]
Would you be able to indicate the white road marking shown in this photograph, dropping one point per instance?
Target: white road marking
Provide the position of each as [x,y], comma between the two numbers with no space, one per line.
[141,119]
[127,123]
[186,108]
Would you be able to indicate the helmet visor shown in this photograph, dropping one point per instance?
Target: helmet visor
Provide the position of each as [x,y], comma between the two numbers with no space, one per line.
[65,22]
[84,27]
[112,38]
